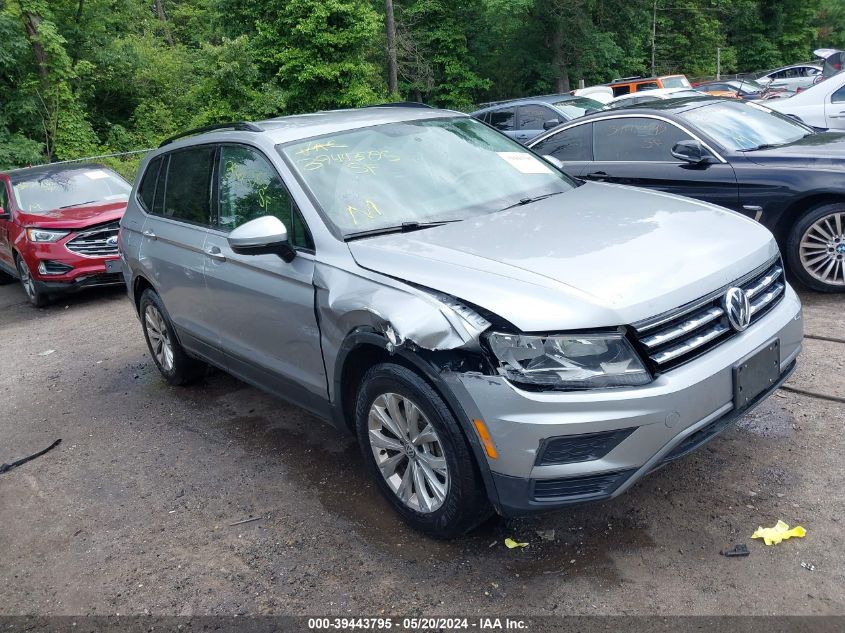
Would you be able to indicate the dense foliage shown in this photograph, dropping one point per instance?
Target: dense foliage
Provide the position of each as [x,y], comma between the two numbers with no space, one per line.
[84,77]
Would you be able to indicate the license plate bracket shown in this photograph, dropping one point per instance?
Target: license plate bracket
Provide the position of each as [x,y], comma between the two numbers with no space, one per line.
[756,373]
[114,266]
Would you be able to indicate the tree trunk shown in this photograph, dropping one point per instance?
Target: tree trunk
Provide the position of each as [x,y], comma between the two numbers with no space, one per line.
[79,9]
[390,25]
[163,17]
[31,22]
[558,59]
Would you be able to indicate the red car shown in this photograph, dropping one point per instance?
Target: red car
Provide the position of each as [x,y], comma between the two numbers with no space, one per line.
[58,228]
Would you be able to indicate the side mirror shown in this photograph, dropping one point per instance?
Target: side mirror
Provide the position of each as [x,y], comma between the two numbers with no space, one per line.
[691,152]
[264,235]
[548,125]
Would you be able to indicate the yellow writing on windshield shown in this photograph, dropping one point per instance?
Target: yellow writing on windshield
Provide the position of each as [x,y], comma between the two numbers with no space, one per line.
[370,211]
[318,147]
[352,160]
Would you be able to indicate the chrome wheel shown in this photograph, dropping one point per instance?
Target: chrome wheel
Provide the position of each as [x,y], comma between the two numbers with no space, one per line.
[26,279]
[822,249]
[408,452]
[159,337]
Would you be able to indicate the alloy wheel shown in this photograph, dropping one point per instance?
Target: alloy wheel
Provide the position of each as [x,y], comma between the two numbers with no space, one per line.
[159,337]
[26,279]
[822,249]
[408,452]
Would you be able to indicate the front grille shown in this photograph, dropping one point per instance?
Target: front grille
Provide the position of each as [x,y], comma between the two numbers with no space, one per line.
[585,447]
[100,241]
[675,338]
[579,488]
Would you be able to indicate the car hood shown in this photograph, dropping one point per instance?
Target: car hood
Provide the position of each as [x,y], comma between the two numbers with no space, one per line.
[72,218]
[825,148]
[598,256]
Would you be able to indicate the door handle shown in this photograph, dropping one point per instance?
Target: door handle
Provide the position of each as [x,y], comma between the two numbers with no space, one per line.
[596,175]
[214,252]
[148,233]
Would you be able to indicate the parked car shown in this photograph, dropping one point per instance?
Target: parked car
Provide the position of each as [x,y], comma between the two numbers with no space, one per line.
[523,119]
[58,228]
[497,335]
[638,84]
[733,88]
[792,78]
[602,94]
[834,62]
[739,155]
[651,95]
[822,105]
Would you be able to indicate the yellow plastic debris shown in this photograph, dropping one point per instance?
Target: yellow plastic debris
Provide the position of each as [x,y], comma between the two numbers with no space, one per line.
[511,543]
[781,532]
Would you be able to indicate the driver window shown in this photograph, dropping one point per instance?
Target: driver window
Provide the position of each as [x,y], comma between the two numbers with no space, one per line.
[635,139]
[251,188]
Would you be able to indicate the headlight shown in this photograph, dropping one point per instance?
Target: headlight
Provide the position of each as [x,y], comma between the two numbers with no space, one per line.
[569,361]
[43,235]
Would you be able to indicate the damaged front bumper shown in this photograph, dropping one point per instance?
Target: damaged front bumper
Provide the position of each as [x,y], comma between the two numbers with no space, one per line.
[559,448]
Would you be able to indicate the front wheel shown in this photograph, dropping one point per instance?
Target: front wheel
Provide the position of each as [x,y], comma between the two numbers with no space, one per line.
[35,296]
[168,354]
[816,248]
[416,451]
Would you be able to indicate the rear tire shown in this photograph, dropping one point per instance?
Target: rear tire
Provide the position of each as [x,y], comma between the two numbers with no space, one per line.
[815,248]
[167,353]
[417,454]
[35,296]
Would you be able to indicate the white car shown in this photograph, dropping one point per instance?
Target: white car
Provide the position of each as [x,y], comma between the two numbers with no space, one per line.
[794,78]
[657,94]
[822,105]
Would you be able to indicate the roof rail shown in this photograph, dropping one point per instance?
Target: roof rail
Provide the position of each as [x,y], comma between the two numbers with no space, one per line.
[399,104]
[243,126]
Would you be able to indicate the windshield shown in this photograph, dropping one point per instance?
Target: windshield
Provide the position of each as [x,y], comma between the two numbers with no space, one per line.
[418,171]
[574,108]
[47,192]
[741,126]
[675,82]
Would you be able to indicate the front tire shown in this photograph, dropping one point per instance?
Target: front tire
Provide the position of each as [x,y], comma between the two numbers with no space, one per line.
[417,453]
[36,297]
[169,356]
[816,248]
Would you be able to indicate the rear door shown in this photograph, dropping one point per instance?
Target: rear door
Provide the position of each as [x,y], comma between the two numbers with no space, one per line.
[6,261]
[573,147]
[835,110]
[637,151]
[173,237]
[530,120]
[261,306]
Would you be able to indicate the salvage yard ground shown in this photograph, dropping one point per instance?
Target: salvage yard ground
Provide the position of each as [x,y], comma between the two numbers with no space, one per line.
[133,512]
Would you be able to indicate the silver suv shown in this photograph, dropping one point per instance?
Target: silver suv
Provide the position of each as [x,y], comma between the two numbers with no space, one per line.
[499,336]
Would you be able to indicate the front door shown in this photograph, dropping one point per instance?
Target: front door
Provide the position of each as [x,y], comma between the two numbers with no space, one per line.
[263,307]
[637,151]
[573,147]
[6,261]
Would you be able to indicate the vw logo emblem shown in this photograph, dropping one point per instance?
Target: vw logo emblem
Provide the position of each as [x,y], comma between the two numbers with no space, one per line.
[112,241]
[738,308]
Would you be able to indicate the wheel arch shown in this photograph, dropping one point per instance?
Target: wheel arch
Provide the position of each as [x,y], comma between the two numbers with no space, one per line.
[790,214]
[364,348]
[139,285]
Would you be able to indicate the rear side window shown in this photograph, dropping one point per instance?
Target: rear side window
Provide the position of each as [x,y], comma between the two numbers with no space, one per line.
[574,144]
[502,119]
[187,196]
[651,85]
[147,188]
[838,96]
[635,139]
[251,188]
[624,89]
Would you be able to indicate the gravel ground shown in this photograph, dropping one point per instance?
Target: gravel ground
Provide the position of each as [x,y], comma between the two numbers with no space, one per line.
[132,513]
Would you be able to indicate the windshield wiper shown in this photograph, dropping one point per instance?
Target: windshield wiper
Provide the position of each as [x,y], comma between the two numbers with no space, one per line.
[524,201]
[77,204]
[405,227]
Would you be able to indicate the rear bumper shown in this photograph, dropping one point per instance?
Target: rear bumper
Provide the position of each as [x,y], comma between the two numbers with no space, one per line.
[640,427]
